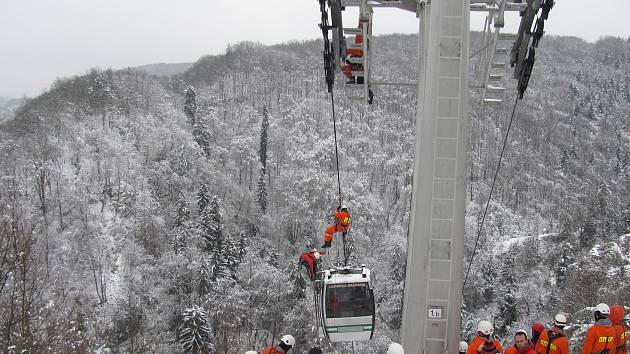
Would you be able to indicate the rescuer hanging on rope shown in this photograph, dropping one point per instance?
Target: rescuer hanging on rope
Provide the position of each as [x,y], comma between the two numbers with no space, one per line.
[341,225]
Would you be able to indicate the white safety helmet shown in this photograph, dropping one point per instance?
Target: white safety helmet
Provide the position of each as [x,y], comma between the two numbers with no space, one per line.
[485,327]
[603,309]
[344,207]
[395,348]
[560,321]
[250,352]
[288,340]
[316,254]
[463,347]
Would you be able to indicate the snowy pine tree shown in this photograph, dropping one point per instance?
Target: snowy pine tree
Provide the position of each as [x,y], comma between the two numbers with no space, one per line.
[201,135]
[203,197]
[181,223]
[210,226]
[262,153]
[195,334]
[204,278]
[190,105]
[262,191]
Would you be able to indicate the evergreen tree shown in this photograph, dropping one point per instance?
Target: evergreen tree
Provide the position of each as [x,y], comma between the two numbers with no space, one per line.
[231,255]
[181,231]
[190,105]
[201,135]
[182,212]
[204,277]
[262,153]
[210,226]
[262,191]
[195,335]
[203,198]
[216,247]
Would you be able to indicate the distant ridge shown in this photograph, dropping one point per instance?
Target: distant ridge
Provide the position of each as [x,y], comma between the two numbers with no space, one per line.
[165,69]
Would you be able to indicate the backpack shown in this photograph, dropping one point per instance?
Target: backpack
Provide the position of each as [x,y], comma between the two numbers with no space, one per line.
[553,336]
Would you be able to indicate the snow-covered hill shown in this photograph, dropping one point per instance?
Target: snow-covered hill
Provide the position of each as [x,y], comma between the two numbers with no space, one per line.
[126,210]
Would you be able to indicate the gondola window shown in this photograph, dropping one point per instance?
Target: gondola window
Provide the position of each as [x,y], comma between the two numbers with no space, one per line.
[348,300]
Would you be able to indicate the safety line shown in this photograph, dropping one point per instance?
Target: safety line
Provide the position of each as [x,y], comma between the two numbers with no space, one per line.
[496,172]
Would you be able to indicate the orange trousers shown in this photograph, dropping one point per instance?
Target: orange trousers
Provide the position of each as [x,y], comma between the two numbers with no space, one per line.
[331,230]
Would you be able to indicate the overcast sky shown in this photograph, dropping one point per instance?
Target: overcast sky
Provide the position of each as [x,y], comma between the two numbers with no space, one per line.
[41,40]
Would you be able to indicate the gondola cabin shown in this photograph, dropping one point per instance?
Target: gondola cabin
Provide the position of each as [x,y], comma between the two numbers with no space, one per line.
[348,304]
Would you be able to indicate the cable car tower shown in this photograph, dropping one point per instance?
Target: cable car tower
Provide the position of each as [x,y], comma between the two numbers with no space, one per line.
[435,252]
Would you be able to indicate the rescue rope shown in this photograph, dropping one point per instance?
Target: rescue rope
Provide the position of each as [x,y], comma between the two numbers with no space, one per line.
[494,179]
[332,101]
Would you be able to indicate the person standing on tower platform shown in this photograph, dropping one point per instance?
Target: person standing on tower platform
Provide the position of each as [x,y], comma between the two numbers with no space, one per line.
[600,337]
[554,341]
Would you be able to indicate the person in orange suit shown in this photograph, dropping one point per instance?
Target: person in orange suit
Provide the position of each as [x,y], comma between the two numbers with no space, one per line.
[348,67]
[554,341]
[537,329]
[484,334]
[286,343]
[522,345]
[621,329]
[342,224]
[600,337]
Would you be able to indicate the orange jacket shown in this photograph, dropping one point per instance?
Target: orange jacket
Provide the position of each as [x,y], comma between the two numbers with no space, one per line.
[557,345]
[343,218]
[273,350]
[513,350]
[599,337]
[356,52]
[478,342]
[621,330]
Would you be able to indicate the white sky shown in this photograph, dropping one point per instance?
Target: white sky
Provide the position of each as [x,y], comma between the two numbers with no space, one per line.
[41,40]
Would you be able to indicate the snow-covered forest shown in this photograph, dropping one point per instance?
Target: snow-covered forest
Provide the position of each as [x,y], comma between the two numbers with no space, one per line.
[144,213]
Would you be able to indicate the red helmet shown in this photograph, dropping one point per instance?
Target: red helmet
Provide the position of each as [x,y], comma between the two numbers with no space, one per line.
[537,328]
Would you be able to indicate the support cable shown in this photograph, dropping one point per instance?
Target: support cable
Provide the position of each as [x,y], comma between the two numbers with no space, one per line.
[494,179]
[332,101]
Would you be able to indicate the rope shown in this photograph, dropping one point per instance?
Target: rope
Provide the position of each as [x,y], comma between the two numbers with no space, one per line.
[494,179]
[332,101]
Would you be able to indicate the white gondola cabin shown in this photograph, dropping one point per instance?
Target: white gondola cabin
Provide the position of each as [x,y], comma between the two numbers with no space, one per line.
[347,304]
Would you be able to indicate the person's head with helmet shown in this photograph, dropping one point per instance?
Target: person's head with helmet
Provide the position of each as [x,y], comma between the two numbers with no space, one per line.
[395,348]
[286,342]
[559,322]
[485,329]
[316,253]
[463,347]
[537,329]
[344,207]
[601,312]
